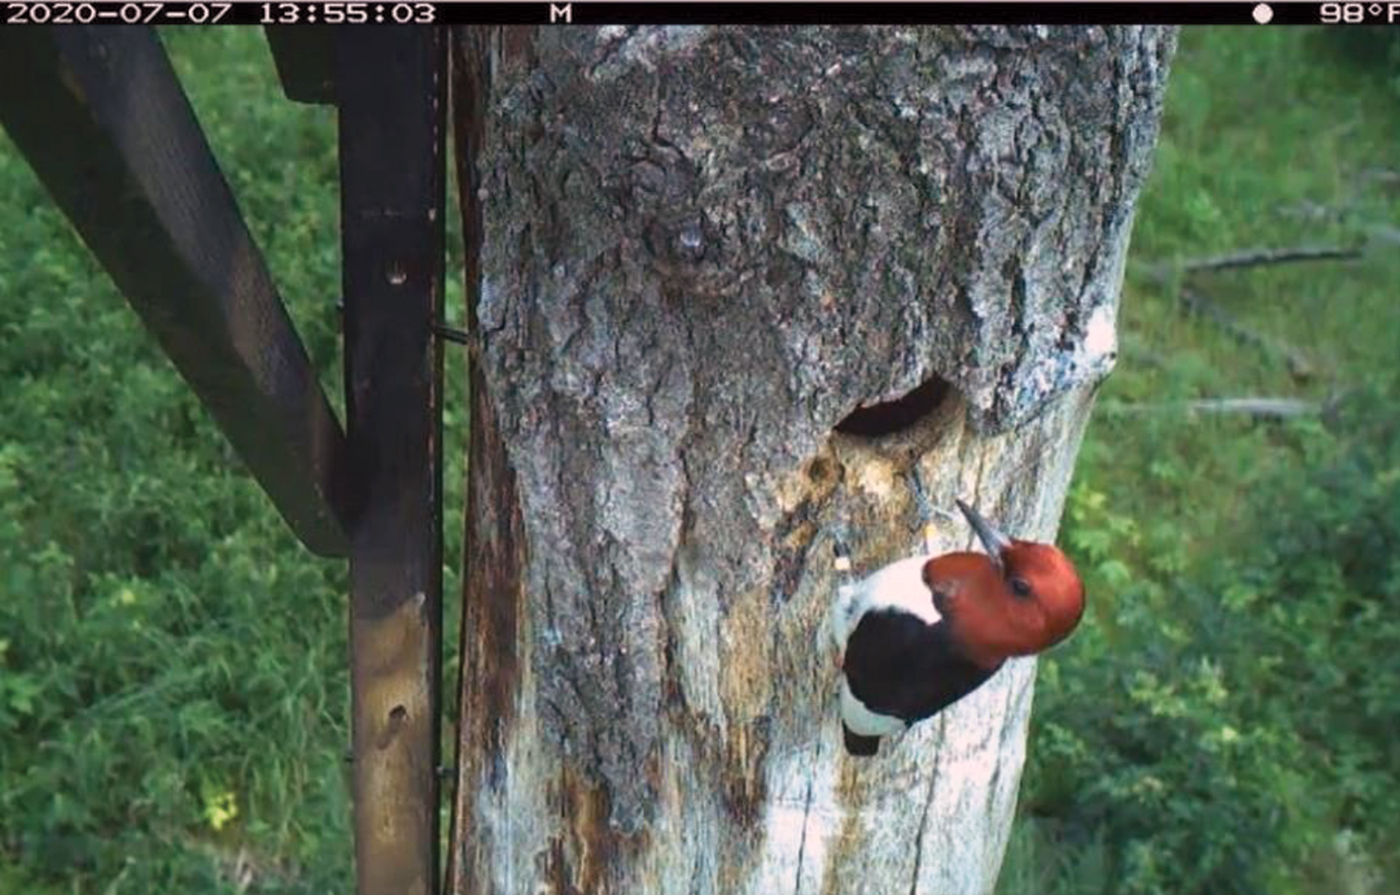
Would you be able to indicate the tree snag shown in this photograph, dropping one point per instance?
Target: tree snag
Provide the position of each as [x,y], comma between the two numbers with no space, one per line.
[730,290]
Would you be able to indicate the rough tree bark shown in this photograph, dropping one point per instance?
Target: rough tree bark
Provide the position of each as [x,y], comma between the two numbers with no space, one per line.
[692,254]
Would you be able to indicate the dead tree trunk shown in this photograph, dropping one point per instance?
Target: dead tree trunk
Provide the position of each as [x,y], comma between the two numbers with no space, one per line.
[694,254]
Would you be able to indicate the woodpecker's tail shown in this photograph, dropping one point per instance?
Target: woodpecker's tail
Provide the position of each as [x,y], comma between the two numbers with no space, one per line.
[860,745]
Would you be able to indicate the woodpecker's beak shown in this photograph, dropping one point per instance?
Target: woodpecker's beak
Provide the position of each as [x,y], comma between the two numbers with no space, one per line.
[991,537]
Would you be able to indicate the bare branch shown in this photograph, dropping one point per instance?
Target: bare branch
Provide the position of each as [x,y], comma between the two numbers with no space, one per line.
[1194,302]
[1299,366]
[1253,258]
[1259,408]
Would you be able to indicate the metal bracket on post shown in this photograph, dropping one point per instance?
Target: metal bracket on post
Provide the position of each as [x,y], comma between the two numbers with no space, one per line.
[443,331]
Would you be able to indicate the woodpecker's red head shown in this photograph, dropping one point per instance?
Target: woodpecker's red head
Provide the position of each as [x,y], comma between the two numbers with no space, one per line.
[1027,598]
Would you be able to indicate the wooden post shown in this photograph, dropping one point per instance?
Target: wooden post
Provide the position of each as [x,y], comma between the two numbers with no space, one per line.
[305,60]
[390,85]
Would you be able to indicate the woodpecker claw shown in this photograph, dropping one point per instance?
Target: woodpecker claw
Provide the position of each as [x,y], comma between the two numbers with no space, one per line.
[927,511]
[841,548]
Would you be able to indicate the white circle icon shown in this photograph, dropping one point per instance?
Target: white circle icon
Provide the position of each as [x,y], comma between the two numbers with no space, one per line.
[1263,14]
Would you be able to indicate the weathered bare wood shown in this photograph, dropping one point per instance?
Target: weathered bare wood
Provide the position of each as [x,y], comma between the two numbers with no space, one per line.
[100,115]
[1383,236]
[391,86]
[700,249]
[1260,408]
[493,593]
[1195,302]
[305,60]
[1258,258]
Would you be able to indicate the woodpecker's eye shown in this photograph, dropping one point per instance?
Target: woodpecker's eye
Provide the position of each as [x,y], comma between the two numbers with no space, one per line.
[1020,587]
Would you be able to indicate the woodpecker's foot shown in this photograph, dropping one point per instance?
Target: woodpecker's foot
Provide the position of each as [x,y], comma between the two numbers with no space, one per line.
[838,658]
[927,528]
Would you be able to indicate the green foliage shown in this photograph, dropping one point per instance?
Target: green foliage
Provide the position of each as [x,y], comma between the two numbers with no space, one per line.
[1233,714]
[172,674]
[1224,720]
[173,683]
[1375,50]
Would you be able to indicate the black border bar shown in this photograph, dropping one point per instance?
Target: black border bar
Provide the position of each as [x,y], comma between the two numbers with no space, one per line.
[816,12]
[680,12]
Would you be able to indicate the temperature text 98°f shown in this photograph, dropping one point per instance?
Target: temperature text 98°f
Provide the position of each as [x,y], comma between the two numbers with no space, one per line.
[1359,13]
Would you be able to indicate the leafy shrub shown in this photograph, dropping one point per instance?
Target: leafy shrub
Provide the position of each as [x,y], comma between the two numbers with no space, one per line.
[1234,714]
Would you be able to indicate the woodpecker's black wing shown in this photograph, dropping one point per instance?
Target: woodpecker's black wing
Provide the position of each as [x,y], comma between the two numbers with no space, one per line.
[896,664]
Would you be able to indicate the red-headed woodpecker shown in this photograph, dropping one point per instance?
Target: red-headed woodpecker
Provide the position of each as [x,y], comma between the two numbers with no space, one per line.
[921,633]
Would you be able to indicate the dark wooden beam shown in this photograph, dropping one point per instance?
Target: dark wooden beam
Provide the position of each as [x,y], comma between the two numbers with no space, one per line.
[101,117]
[305,59]
[391,91]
